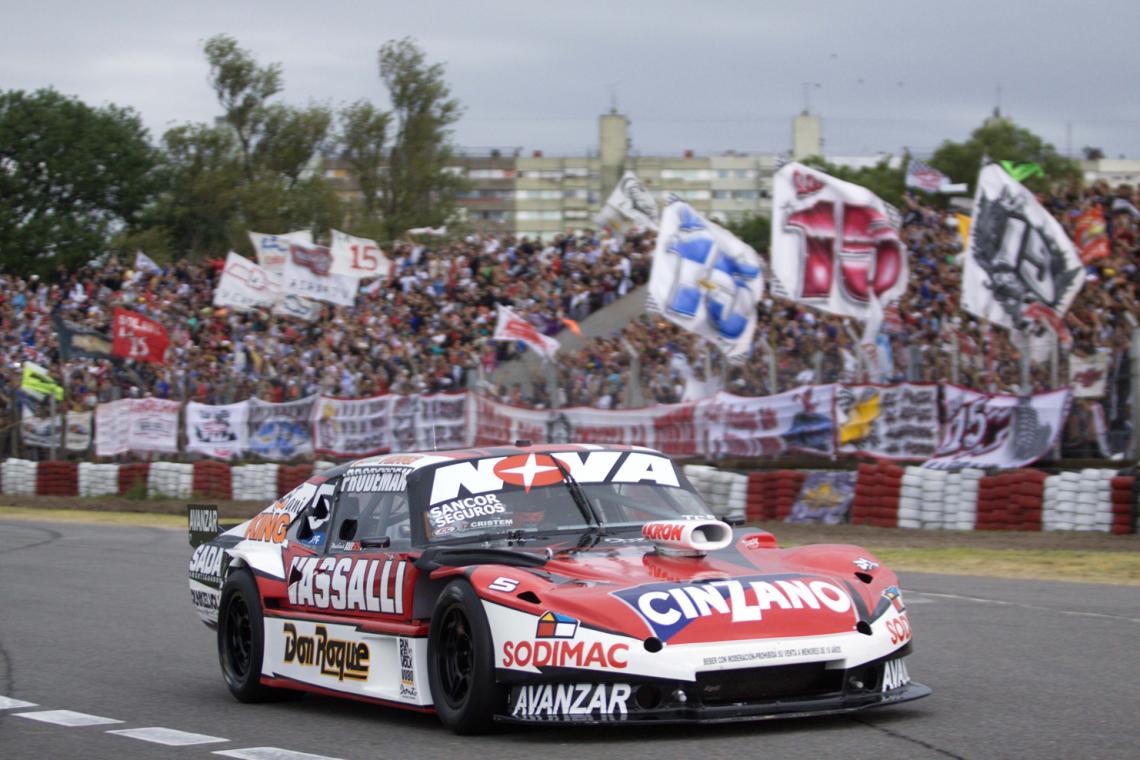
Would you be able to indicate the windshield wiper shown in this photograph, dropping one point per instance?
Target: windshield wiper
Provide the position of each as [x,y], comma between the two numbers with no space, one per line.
[597,529]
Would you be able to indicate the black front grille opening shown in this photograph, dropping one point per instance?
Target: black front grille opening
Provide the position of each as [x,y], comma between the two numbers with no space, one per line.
[529,596]
[865,577]
[811,679]
[864,628]
[653,644]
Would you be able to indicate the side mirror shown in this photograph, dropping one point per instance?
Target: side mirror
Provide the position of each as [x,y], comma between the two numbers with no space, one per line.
[323,508]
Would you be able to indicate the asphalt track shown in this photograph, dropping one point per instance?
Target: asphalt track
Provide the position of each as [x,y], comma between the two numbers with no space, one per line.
[97,620]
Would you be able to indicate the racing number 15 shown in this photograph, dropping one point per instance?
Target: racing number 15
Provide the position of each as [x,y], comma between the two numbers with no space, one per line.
[360,253]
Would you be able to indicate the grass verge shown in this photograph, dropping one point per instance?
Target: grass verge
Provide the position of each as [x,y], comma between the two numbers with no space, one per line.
[1118,568]
[144,519]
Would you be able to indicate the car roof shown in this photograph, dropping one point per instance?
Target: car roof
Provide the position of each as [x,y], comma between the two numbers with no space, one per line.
[417,459]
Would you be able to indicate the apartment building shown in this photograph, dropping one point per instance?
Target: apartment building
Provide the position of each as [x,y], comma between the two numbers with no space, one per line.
[533,194]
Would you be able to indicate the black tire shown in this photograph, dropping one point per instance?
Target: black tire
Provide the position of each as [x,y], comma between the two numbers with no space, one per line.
[241,639]
[461,662]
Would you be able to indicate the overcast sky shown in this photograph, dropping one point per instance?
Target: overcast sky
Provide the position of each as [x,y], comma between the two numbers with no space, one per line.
[709,76]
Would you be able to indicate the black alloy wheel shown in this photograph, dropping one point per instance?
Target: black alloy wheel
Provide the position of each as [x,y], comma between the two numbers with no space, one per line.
[461,662]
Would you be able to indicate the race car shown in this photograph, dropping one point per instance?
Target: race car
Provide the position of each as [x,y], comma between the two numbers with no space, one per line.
[542,584]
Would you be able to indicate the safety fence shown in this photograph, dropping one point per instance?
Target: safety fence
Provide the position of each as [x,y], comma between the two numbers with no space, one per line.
[883,495]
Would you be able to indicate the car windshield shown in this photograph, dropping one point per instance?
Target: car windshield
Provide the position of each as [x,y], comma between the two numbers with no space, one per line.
[513,496]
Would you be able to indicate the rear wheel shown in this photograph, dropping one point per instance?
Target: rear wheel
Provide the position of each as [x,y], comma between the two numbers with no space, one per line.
[241,639]
[461,662]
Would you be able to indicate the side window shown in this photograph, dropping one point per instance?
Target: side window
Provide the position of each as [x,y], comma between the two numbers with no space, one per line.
[370,520]
[311,528]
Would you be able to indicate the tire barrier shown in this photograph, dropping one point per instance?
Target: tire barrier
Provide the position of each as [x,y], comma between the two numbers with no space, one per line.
[18,477]
[726,492]
[1125,504]
[212,480]
[132,478]
[170,480]
[255,482]
[1082,501]
[98,479]
[289,478]
[57,479]
[886,495]
[1011,501]
[878,493]
[771,494]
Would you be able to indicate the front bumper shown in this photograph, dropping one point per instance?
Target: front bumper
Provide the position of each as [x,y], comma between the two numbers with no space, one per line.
[727,696]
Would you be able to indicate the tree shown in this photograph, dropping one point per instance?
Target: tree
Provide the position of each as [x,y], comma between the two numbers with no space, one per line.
[70,177]
[1092,153]
[754,229]
[999,139]
[253,171]
[243,89]
[364,129]
[417,188]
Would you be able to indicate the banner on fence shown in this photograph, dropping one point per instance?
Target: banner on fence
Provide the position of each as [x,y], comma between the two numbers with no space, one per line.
[887,421]
[768,426]
[825,497]
[217,431]
[136,424]
[991,430]
[79,431]
[365,426]
[279,432]
[41,432]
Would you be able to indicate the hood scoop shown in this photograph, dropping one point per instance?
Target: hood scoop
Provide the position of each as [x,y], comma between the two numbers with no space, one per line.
[687,538]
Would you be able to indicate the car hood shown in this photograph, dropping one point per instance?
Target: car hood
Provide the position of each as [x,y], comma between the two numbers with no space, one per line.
[749,590]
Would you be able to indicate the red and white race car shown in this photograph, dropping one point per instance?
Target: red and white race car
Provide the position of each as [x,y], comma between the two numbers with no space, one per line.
[553,583]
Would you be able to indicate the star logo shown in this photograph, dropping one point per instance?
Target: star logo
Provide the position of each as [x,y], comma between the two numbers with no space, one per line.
[529,470]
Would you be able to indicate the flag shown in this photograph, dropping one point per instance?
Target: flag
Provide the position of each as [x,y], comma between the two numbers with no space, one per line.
[357,257]
[1023,171]
[963,229]
[144,263]
[834,246]
[573,326]
[433,231]
[134,336]
[273,250]
[1091,234]
[629,205]
[510,326]
[1018,257]
[37,383]
[78,342]
[308,273]
[705,280]
[245,285]
[922,176]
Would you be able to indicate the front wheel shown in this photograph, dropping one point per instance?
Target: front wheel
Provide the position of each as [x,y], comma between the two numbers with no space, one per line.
[461,662]
[241,638]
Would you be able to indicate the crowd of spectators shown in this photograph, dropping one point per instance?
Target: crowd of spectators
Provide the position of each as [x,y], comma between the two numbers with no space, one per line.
[427,328]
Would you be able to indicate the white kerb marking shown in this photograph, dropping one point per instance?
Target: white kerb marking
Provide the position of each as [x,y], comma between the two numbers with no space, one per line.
[270,753]
[66,718]
[7,703]
[168,736]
